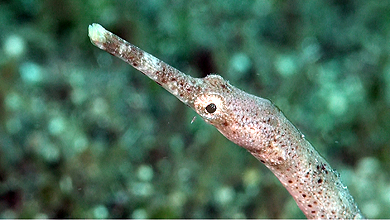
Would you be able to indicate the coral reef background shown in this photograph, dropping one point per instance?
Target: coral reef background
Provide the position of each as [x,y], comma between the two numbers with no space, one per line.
[84,135]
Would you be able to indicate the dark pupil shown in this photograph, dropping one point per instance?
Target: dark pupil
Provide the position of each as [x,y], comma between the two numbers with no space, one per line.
[211,108]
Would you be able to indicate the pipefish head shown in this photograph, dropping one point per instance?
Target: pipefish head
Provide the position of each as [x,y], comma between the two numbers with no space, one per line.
[243,118]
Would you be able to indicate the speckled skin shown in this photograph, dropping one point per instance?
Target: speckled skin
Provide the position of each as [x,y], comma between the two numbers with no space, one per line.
[251,122]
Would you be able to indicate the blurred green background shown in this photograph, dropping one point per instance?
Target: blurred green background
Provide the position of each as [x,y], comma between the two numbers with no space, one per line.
[84,135]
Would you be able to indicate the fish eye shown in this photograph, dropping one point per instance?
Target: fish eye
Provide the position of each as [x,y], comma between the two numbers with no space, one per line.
[211,108]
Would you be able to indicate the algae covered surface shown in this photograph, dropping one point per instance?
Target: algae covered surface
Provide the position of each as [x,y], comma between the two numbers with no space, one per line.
[83,135]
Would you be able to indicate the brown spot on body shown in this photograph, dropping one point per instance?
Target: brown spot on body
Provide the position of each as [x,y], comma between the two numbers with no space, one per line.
[163,80]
